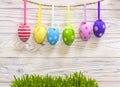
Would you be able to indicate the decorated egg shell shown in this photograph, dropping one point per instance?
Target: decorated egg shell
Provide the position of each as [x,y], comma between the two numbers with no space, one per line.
[85,31]
[24,32]
[99,28]
[68,35]
[39,33]
[53,35]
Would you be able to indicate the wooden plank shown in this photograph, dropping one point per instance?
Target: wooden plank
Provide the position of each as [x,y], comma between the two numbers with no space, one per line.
[97,68]
[10,19]
[109,84]
[107,46]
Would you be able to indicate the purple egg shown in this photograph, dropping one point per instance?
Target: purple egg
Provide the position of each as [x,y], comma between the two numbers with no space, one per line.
[99,28]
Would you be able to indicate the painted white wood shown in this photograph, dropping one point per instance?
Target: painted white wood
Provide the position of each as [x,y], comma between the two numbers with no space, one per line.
[97,58]
[104,70]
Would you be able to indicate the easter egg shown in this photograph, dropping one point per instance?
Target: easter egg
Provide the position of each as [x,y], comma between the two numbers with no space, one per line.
[99,28]
[68,35]
[39,33]
[53,35]
[85,31]
[24,32]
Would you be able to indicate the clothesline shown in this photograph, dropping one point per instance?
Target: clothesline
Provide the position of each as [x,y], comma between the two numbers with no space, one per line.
[49,5]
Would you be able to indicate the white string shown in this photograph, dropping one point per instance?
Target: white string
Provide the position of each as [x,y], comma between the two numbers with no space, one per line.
[52,23]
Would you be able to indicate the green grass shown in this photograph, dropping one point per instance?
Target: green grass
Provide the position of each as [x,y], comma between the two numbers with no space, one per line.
[72,80]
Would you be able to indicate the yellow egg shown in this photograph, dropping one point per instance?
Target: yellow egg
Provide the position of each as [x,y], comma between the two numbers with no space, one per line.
[39,33]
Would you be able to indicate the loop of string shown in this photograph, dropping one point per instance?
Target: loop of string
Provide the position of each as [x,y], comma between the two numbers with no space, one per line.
[85,19]
[53,13]
[39,13]
[98,9]
[68,14]
[24,12]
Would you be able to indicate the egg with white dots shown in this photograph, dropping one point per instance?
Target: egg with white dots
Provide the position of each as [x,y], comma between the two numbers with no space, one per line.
[68,35]
[99,28]
[53,35]
[85,31]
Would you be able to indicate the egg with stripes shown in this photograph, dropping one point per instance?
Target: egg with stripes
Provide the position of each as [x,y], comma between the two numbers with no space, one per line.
[53,35]
[24,32]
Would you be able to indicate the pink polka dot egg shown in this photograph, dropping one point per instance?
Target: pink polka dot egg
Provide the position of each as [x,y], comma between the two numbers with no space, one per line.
[85,31]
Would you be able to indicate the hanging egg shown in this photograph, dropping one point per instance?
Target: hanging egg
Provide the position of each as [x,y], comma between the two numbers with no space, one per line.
[99,28]
[39,33]
[24,32]
[68,35]
[53,35]
[85,31]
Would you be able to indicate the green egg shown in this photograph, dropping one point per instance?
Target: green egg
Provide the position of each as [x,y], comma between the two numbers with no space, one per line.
[68,35]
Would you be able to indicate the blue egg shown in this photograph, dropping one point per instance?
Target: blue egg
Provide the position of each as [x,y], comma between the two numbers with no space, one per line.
[53,35]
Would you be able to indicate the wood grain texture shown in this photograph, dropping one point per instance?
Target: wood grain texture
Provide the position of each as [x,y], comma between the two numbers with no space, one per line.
[97,58]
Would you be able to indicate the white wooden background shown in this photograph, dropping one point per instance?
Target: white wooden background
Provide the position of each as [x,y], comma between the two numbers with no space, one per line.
[97,58]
